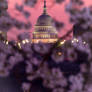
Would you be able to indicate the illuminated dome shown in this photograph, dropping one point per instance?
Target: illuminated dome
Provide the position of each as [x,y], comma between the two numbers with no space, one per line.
[44,20]
[44,32]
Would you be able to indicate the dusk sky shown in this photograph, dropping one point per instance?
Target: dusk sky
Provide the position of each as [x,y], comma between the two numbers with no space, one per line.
[55,10]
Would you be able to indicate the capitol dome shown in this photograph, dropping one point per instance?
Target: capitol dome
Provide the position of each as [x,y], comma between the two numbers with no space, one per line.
[44,20]
[44,31]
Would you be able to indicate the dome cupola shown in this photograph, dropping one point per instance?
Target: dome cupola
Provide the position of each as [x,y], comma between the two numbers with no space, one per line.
[44,19]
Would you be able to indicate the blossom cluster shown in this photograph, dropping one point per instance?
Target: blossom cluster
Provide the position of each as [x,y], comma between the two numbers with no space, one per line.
[64,66]
[7,21]
[59,69]
[79,14]
[3,7]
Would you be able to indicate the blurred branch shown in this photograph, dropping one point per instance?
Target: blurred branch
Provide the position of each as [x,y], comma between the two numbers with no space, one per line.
[46,56]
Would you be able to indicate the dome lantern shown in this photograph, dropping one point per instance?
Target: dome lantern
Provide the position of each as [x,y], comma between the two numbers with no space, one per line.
[44,11]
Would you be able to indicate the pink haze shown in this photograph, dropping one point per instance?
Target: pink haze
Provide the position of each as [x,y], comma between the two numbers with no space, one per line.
[56,11]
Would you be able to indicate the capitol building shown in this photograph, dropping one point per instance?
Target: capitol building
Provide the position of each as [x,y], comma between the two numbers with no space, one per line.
[44,31]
